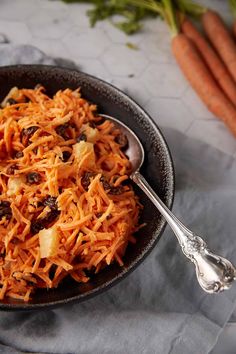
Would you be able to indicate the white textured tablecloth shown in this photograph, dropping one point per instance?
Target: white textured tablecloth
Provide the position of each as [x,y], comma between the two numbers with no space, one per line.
[159,308]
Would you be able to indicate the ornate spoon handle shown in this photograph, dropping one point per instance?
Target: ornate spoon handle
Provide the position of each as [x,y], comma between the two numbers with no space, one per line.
[214,273]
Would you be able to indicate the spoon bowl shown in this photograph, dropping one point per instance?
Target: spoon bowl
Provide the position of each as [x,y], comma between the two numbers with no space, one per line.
[134,151]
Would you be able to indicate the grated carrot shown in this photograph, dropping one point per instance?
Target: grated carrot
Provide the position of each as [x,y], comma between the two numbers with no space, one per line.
[51,186]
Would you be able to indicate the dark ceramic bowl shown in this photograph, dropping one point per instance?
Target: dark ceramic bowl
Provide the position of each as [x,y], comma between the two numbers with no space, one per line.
[157,169]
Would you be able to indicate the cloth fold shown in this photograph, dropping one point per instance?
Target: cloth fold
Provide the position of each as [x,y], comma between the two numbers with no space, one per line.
[159,308]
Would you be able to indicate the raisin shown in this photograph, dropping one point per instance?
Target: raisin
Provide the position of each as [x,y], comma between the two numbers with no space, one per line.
[51,216]
[19,154]
[116,190]
[4,203]
[36,226]
[105,184]
[61,130]
[51,202]
[42,223]
[92,124]
[96,150]
[27,133]
[81,137]
[33,177]
[85,180]
[11,169]
[15,241]
[98,215]
[2,255]
[11,101]
[65,156]
[26,99]
[5,210]
[122,140]
[99,121]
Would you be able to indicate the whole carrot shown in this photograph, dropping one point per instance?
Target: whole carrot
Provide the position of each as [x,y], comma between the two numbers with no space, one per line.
[221,39]
[212,59]
[192,63]
[201,79]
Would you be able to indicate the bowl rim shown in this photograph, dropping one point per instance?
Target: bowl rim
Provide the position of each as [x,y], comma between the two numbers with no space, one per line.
[170,198]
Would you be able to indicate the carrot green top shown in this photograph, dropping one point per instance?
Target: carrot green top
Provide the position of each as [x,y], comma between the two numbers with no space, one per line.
[232,4]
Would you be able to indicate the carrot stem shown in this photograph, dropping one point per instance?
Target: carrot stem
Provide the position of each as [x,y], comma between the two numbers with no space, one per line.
[170,17]
[191,8]
[232,4]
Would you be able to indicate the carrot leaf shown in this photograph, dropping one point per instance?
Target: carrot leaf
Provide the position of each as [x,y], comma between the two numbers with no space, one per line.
[131,46]
[132,12]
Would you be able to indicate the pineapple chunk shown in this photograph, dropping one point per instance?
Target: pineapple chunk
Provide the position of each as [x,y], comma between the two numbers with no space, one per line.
[48,242]
[91,133]
[14,185]
[84,148]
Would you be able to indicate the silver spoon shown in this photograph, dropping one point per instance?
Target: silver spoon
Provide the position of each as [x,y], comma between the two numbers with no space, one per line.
[214,273]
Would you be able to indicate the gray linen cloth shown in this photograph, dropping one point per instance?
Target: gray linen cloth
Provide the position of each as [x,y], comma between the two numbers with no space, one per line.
[159,308]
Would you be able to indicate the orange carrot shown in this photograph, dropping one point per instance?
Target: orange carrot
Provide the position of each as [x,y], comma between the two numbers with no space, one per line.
[191,61]
[203,82]
[212,59]
[221,39]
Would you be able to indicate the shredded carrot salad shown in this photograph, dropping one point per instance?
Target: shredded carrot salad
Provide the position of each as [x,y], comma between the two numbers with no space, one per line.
[66,206]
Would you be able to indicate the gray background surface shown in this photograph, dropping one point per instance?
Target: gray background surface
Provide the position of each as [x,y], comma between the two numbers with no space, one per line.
[156,83]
